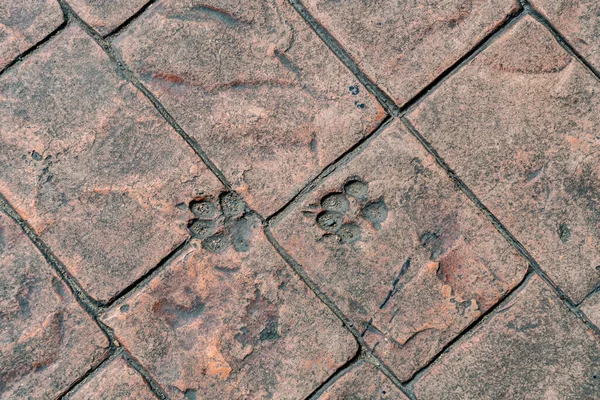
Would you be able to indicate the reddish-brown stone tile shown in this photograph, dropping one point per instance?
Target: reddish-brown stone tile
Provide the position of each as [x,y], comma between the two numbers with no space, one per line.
[364,381]
[421,271]
[578,21]
[116,381]
[532,348]
[48,341]
[519,124]
[232,325]
[266,99]
[23,23]
[591,308]
[92,166]
[403,46]
[105,16]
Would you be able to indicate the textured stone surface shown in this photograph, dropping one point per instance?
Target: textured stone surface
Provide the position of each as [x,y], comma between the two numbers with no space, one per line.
[591,308]
[404,45]
[363,381]
[104,16]
[232,325]
[116,381]
[422,274]
[532,348]
[520,125]
[23,23]
[47,340]
[578,21]
[255,86]
[92,166]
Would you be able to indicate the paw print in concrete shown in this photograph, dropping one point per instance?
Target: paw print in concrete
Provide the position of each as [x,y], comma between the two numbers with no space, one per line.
[339,211]
[221,224]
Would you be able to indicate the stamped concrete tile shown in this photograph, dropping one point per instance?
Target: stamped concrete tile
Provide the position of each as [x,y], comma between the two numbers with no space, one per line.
[578,21]
[231,325]
[364,381]
[48,340]
[520,125]
[404,45]
[24,23]
[251,82]
[532,348]
[591,308]
[105,16]
[87,160]
[401,251]
[116,381]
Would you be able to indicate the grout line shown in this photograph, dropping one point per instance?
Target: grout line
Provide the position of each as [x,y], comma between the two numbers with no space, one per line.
[342,160]
[155,388]
[387,371]
[352,363]
[147,277]
[130,77]
[314,287]
[562,40]
[33,49]
[68,393]
[502,27]
[501,228]
[487,315]
[85,300]
[119,29]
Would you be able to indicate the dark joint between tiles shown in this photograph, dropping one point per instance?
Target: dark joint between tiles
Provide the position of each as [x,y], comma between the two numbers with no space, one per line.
[150,381]
[342,160]
[130,77]
[387,371]
[348,366]
[89,375]
[561,39]
[485,316]
[117,31]
[299,270]
[143,280]
[33,49]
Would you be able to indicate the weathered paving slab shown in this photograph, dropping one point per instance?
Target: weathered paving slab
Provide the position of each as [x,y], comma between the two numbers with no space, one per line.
[403,46]
[91,165]
[232,324]
[363,381]
[578,21]
[116,381]
[591,308]
[48,340]
[24,23]
[106,16]
[259,91]
[519,124]
[532,348]
[407,257]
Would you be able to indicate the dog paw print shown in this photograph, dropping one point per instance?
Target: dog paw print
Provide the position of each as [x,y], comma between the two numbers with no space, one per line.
[223,224]
[336,211]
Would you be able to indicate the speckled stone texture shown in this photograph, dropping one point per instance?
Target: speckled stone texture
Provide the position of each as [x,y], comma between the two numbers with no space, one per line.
[532,348]
[106,15]
[115,381]
[578,21]
[86,159]
[363,381]
[23,23]
[519,124]
[47,340]
[591,308]
[258,90]
[431,267]
[232,325]
[404,45]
